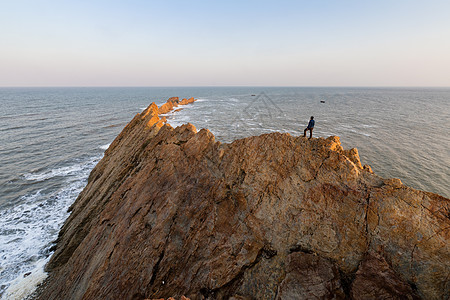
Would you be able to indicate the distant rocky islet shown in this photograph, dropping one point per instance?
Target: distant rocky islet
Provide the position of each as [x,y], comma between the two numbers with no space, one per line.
[173,212]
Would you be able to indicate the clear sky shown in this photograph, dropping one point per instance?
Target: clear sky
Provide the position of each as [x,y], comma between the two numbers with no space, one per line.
[202,43]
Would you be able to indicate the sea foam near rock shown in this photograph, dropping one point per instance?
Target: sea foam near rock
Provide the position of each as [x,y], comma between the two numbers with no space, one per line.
[29,228]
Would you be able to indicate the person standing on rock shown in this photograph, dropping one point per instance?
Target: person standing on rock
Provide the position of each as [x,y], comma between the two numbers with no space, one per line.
[310,127]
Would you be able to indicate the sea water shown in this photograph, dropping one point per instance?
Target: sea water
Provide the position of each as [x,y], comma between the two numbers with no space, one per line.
[51,138]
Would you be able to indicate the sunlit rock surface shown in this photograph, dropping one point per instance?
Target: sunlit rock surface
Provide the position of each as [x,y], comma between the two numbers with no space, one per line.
[171,212]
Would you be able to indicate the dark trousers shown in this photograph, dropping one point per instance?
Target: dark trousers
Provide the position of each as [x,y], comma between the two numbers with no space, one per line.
[310,132]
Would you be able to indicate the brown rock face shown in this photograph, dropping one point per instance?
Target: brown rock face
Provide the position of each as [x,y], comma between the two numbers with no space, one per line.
[170,212]
[310,277]
[166,107]
[376,280]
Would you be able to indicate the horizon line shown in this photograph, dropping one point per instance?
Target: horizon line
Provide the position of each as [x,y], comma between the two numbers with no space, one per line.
[223,86]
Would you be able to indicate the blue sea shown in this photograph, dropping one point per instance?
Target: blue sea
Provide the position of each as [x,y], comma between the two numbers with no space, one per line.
[51,138]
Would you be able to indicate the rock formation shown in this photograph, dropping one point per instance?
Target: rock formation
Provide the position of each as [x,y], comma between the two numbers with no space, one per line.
[173,102]
[171,212]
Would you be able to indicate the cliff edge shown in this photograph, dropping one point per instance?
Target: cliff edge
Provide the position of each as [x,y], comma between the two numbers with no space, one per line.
[172,212]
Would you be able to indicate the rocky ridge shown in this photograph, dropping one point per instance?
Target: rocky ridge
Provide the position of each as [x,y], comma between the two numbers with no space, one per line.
[173,212]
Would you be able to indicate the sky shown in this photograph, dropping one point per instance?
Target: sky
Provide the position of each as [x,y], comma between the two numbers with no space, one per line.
[224,43]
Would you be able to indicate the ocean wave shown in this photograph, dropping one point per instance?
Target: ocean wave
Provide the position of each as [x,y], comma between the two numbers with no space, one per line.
[62,171]
[359,132]
[24,285]
[113,125]
[169,114]
[105,147]
[13,128]
[348,128]
[178,121]
[29,228]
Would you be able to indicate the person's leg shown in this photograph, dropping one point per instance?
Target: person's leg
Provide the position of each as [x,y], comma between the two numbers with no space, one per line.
[304,132]
[310,132]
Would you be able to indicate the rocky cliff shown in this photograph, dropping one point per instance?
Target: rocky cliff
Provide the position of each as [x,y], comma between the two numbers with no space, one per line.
[172,212]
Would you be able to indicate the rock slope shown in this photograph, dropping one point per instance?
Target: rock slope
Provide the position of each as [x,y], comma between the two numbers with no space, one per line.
[172,212]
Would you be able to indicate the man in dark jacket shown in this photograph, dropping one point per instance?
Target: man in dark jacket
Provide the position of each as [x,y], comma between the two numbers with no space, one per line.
[310,127]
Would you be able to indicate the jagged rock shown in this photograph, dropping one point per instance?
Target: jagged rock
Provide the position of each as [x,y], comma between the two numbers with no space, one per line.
[166,107]
[174,100]
[187,101]
[170,212]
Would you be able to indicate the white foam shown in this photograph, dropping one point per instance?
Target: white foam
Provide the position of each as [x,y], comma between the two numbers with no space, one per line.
[178,120]
[52,173]
[62,171]
[169,114]
[23,285]
[105,147]
[28,229]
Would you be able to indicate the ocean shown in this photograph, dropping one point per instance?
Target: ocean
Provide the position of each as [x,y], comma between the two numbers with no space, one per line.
[51,138]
